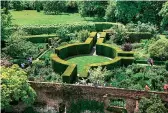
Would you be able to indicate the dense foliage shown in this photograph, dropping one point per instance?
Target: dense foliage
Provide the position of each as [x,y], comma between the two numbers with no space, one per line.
[5,23]
[97,75]
[159,50]
[144,11]
[138,76]
[141,27]
[17,46]
[152,105]
[54,7]
[43,72]
[92,8]
[14,87]
[164,13]
[110,11]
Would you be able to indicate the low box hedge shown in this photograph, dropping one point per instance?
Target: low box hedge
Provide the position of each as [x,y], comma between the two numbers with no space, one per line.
[100,26]
[137,36]
[126,53]
[145,62]
[125,61]
[39,38]
[49,29]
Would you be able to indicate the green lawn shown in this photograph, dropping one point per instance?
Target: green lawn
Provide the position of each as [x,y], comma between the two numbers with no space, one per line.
[81,61]
[32,17]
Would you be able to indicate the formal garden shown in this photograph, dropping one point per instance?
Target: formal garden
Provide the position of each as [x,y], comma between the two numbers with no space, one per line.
[120,44]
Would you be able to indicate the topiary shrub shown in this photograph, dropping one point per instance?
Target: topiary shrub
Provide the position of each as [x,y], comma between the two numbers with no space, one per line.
[159,50]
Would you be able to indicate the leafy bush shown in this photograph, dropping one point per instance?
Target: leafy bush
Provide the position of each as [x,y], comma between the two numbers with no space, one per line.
[164,13]
[152,105]
[159,50]
[17,46]
[15,87]
[119,36]
[127,47]
[82,35]
[97,75]
[141,27]
[138,76]
[5,23]
[92,8]
[63,33]
[43,72]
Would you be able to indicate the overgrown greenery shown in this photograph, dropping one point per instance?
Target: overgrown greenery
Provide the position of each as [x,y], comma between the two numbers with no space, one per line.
[5,23]
[17,46]
[14,87]
[159,50]
[153,104]
[43,72]
[138,76]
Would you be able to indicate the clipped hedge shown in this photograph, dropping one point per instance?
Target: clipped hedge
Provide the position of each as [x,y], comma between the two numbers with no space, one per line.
[145,62]
[125,54]
[70,74]
[100,26]
[125,61]
[100,40]
[90,41]
[58,64]
[49,29]
[106,50]
[137,36]
[39,38]
[72,49]
[68,70]
[103,35]
[94,36]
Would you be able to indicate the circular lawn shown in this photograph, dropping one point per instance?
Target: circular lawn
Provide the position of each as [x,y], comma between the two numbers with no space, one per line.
[81,61]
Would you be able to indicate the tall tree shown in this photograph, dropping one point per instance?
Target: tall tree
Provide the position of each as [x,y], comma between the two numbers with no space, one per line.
[92,8]
[164,13]
[54,7]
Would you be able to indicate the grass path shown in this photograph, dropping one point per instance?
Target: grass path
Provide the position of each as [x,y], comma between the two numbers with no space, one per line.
[32,17]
